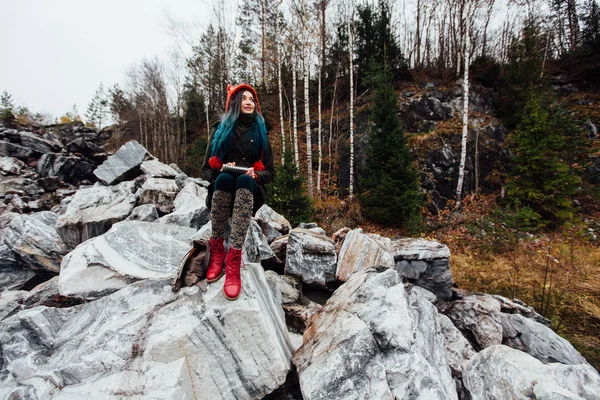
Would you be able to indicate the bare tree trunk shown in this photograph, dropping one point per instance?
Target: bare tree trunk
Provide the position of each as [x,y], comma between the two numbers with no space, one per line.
[331,128]
[418,36]
[463,153]
[206,105]
[279,85]
[351,57]
[477,163]
[307,121]
[295,107]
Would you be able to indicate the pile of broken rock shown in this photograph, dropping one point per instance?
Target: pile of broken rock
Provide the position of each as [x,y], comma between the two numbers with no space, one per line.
[354,315]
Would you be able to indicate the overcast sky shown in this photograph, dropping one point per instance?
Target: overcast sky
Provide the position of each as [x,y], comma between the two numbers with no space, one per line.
[55,53]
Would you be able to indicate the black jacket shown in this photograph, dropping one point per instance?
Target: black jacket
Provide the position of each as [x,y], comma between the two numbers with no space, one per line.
[240,152]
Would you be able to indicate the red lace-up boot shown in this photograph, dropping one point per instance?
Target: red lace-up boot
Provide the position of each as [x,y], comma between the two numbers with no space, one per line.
[217,258]
[233,281]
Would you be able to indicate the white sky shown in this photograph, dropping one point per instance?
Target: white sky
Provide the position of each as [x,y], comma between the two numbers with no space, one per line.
[55,53]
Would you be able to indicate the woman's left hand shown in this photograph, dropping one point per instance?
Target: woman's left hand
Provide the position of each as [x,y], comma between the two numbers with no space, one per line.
[252,173]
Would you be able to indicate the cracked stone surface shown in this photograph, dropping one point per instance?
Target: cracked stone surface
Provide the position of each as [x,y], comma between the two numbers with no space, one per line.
[374,340]
[146,342]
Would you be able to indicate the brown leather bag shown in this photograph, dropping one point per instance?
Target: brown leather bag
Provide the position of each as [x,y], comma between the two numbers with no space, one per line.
[192,269]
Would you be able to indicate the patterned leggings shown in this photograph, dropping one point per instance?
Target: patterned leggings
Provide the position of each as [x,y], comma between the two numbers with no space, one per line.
[235,192]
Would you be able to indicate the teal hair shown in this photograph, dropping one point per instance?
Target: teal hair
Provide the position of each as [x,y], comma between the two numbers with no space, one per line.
[226,128]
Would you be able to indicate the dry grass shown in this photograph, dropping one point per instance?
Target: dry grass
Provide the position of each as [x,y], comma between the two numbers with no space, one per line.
[557,273]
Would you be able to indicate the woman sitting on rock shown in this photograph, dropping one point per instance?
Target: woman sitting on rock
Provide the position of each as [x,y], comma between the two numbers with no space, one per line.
[239,139]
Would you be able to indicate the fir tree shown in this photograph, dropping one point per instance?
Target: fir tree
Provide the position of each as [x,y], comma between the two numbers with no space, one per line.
[7,106]
[287,195]
[388,182]
[541,180]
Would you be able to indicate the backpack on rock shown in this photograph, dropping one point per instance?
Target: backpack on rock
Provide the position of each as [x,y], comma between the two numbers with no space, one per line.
[192,269]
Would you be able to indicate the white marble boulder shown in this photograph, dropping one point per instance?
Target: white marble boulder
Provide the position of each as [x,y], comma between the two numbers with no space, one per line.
[273,224]
[93,210]
[146,342]
[189,208]
[128,252]
[311,257]
[373,340]
[123,165]
[425,263]
[478,317]
[157,169]
[361,251]
[35,242]
[500,372]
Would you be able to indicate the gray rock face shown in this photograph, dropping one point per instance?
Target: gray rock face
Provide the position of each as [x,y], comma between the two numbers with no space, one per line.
[123,164]
[310,257]
[538,341]
[145,212]
[478,318]
[360,251]
[373,341]
[129,251]
[500,372]
[272,223]
[15,150]
[458,349]
[159,191]
[190,208]
[256,247]
[21,186]
[39,144]
[425,263]
[35,242]
[92,211]
[146,342]
[279,247]
[10,301]
[11,165]
[156,169]
[516,306]
[288,286]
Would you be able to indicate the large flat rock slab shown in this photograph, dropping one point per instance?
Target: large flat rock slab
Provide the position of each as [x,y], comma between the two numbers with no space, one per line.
[146,342]
[92,211]
[122,165]
[129,251]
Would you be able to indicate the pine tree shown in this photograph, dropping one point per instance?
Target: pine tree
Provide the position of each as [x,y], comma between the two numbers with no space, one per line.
[98,108]
[390,193]
[287,195]
[7,106]
[540,180]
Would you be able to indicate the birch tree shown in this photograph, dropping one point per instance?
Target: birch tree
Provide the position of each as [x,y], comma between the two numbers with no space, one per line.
[351,60]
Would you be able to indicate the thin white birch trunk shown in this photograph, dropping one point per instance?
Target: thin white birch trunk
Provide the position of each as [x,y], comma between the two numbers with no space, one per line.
[280,99]
[207,102]
[331,128]
[351,54]
[295,107]
[320,133]
[465,130]
[307,121]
